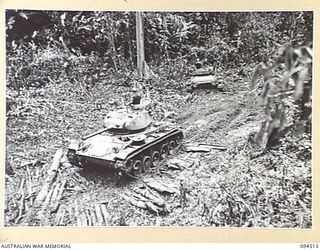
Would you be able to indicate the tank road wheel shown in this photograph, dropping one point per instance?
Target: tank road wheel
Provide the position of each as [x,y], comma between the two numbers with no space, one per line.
[147,163]
[172,147]
[164,151]
[155,159]
[137,166]
[128,165]
[118,165]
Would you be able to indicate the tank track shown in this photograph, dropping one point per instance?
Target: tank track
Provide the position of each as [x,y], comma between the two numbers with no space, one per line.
[150,155]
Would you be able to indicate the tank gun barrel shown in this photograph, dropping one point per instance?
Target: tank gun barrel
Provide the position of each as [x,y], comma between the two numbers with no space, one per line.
[95,133]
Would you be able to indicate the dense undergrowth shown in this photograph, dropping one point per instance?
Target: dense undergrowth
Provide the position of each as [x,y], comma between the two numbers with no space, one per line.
[54,94]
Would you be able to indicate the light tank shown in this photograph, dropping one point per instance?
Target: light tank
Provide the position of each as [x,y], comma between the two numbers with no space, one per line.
[129,143]
[203,78]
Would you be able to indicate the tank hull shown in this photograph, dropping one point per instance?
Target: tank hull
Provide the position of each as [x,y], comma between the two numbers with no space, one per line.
[131,153]
[203,79]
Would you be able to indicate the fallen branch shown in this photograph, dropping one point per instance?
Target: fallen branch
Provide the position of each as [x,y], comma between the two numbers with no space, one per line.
[55,193]
[178,164]
[84,220]
[197,149]
[139,197]
[48,197]
[77,215]
[93,217]
[98,214]
[29,184]
[160,187]
[153,207]
[21,207]
[62,218]
[56,203]
[214,146]
[52,173]
[204,148]
[137,203]
[105,214]
[21,186]
[151,197]
[87,215]
[59,217]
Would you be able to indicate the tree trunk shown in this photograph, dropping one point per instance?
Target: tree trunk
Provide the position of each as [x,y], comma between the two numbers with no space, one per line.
[140,44]
[111,40]
[129,46]
[143,68]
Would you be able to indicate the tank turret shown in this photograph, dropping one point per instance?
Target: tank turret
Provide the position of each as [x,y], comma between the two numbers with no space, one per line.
[127,120]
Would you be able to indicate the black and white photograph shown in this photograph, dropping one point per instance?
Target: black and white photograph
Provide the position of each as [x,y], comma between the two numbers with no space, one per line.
[158,119]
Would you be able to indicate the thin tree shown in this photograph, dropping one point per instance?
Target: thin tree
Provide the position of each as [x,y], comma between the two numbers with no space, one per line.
[143,69]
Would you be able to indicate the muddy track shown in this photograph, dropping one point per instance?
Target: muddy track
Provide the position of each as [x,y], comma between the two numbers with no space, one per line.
[216,188]
[95,197]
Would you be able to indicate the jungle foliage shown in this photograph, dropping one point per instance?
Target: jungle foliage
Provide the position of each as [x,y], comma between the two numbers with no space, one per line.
[226,38]
[88,47]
